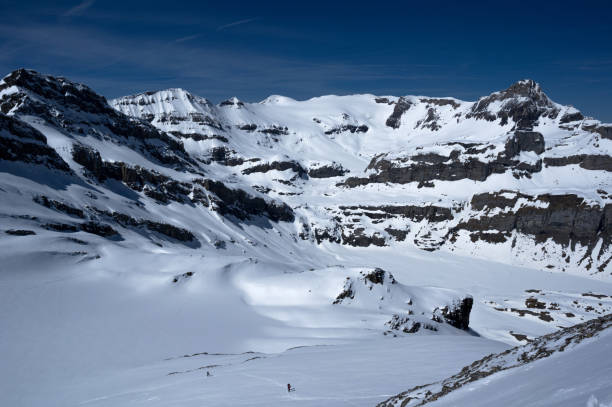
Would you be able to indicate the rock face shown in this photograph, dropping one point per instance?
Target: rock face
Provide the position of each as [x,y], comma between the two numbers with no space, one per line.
[588,162]
[461,163]
[21,142]
[278,166]
[524,141]
[400,108]
[458,314]
[566,219]
[240,204]
[327,171]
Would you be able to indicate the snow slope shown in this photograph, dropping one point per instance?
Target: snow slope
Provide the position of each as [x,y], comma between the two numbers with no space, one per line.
[540,373]
[187,227]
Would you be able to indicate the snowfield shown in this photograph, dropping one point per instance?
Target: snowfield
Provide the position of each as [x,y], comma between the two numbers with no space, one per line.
[162,250]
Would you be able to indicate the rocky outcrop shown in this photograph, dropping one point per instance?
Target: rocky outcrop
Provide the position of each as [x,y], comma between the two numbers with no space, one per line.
[367,279]
[348,128]
[19,232]
[275,130]
[174,232]
[226,201]
[571,117]
[59,206]
[425,168]
[604,130]
[402,105]
[441,102]
[458,313]
[93,227]
[225,156]
[151,183]
[327,171]
[240,204]
[358,238]
[524,141]
[278,166]
[232,102]
[22,143]
[566,219]
[586,161]
[537,349]
[200,137]
[443,169]
[416,213]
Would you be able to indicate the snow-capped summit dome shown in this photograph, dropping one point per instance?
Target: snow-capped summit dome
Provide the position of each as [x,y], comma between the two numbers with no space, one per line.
[173,100]
[277,100]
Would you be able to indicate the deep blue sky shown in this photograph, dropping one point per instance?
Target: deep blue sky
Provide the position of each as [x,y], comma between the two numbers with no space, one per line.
[253,49]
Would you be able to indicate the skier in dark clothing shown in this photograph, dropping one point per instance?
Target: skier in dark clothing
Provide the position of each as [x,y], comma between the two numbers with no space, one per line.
[288,388]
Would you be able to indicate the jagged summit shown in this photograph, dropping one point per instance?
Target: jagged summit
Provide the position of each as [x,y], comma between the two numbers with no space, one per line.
[524,102]
[525,87]
[54,89]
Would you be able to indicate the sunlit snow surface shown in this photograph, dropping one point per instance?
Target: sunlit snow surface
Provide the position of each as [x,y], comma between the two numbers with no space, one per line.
[110,332]
[88,321]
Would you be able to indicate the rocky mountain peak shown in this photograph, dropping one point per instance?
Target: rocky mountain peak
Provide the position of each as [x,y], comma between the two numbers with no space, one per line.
[528,88]
[524,102]
[57,90]
[525,87]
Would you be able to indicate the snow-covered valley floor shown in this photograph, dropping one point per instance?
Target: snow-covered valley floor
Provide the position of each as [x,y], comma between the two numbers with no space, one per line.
[115,331]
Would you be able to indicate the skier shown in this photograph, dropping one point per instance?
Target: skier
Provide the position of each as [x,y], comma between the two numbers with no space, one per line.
[208,373]
[288,388]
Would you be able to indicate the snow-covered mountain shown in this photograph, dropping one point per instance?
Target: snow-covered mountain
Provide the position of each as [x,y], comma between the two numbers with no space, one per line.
[513,176]
[161,224]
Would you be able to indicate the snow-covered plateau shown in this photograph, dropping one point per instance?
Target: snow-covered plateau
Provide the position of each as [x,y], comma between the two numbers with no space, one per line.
[161,250]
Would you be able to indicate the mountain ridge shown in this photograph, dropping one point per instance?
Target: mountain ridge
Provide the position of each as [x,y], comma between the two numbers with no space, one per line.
[511,172]
[288,241]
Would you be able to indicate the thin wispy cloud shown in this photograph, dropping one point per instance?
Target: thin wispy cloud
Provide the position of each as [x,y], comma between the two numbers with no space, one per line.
[79,8]
[235,23]
[188,38]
